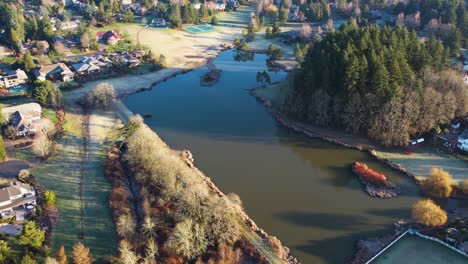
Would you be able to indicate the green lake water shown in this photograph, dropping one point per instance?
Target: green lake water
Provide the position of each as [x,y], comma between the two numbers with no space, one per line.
[298,189]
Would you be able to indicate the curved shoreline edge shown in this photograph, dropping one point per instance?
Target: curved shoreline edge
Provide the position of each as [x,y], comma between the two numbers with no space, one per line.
[296,126]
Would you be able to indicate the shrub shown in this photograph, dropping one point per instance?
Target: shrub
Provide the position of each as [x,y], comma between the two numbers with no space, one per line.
[126,225]
[132,125]
[102,96]
[188,239]
[438,184]
[369,175]
[429,214]
[23,175]
[49,198]
[223,224]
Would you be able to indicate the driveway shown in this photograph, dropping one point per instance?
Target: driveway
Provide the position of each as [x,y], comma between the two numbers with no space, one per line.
[12,230]
[11,168]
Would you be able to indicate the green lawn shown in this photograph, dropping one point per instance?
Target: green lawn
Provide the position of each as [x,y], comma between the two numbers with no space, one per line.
[50,114]
[89,220]
[415,250]
[423,159]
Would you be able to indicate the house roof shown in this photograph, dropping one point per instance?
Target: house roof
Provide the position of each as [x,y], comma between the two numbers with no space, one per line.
[13,191]
[21,122]
[52,69]
[4,196]
[29,109]
[108,34]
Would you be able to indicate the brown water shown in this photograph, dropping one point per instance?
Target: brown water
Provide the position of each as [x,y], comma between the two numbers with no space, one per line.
[298,189]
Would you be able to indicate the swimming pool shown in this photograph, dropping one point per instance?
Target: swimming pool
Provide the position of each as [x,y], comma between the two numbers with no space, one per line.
[199,29]
[18,89]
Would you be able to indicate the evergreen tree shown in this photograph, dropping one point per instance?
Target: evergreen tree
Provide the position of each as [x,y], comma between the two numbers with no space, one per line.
[5,250]
[298,53]
[175,16]
[81,254]
[31,236]
[203,11]
[214,20]
[128,16]
[45,28]
[15,41]
[29,64]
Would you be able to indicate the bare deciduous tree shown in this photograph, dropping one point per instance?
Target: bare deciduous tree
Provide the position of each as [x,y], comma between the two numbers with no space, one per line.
[102,96]
[42,144]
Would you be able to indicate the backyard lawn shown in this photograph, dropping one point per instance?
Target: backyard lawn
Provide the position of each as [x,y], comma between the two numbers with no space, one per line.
[89,221]
[423,159]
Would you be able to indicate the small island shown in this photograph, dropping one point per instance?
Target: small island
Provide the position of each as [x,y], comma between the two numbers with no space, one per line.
[212,76]
[375,183]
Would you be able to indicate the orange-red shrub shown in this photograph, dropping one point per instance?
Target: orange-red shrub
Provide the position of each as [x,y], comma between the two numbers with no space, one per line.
[368,174]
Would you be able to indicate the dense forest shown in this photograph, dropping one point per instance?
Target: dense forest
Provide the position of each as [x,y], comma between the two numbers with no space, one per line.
[383,83]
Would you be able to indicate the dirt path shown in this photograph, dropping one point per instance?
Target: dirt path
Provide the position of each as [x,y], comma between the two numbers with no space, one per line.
[261,246]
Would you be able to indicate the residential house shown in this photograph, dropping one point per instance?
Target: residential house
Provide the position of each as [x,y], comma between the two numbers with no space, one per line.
[66,42]
[24,118]
[53,72]
[158,22]
[92,64]
[463,141]
[13,79]
[69,25]
[132,59]
[126,2]
[105,35]
[15,196]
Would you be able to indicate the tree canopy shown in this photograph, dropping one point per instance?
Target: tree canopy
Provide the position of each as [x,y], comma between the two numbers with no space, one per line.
[375,82]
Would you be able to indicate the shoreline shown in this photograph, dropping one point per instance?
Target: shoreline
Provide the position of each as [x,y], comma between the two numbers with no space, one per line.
[301,128]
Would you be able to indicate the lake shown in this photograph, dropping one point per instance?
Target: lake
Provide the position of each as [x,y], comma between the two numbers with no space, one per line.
[298,189]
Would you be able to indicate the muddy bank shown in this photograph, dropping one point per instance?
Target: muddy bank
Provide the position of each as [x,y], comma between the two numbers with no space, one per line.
[310,132]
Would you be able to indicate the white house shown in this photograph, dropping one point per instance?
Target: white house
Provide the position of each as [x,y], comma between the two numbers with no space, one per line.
[16,195]
[24,118]
[13,79]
